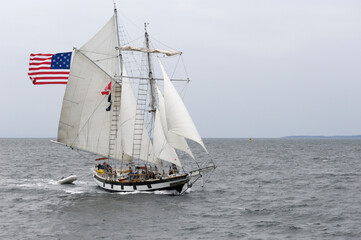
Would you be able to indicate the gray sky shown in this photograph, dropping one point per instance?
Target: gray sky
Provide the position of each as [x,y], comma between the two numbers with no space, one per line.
[260,68]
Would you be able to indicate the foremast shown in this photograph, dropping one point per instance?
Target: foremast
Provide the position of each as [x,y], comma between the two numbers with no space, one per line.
[115,99]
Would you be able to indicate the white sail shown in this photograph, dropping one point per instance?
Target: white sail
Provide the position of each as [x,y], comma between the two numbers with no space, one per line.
[84,122]
[127,113]
[128,110]
[161,147]
[173,140]
[178,119]
[101,48]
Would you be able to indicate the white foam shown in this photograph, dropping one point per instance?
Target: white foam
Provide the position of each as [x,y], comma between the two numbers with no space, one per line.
[128,193]
[166,192]
[189,190]
[74,191]
[36,183]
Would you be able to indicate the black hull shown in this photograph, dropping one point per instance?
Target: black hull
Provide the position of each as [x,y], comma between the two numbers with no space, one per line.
[173,183]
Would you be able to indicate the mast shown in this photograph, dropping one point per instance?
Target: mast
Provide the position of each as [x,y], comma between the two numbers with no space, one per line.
[151,84]
[141,108]
[150,74]
[114,99]
[118,39]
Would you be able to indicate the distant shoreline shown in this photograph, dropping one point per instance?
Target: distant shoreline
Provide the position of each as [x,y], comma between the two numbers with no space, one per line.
[328,137]
[285,137]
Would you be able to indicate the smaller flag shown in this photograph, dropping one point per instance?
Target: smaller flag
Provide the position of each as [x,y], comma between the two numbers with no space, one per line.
[110,103]
[49,68]
[107,89]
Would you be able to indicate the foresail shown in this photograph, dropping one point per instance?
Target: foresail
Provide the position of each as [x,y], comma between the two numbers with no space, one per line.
[178,119]
[174,140]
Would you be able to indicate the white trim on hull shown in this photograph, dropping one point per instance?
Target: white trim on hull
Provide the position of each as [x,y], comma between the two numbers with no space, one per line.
[170,183]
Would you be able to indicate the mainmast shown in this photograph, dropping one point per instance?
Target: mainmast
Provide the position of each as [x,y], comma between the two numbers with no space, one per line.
[150,74]
[118,40]
[143,108]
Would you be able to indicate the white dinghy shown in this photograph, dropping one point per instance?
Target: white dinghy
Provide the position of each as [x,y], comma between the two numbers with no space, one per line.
[67,180]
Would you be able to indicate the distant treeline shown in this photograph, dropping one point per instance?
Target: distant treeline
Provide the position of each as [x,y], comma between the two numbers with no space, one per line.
[353,136]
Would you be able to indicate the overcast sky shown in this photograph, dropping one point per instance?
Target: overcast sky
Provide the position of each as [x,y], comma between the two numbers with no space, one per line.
[259,68]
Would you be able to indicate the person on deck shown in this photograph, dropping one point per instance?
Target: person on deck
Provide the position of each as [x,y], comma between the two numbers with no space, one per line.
[103,166]
[175,170]
[109,168]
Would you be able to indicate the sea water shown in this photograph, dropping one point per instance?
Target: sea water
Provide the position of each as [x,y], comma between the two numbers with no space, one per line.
[265,189]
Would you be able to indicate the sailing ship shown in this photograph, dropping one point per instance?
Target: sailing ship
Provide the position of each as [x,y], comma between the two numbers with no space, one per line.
[136,127]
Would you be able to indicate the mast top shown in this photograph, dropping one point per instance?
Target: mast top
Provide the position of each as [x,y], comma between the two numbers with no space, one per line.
[145,28]
[115,6]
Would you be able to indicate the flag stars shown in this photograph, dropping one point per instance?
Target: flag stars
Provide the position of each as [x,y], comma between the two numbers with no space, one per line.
[61,61]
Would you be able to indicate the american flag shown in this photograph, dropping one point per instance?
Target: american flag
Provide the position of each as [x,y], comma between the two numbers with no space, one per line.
[49,68]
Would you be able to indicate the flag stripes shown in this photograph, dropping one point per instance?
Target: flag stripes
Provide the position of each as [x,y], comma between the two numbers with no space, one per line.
[49,68]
